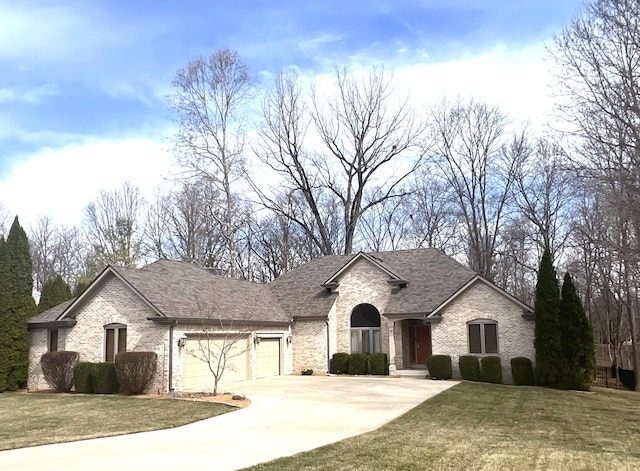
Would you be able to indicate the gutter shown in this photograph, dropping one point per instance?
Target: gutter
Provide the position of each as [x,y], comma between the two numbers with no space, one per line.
[171,356]
[328,346]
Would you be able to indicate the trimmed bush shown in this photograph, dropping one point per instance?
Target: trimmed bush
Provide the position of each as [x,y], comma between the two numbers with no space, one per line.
[491,369]
[439,366]
[57,368]
[378,364]
[627,378]
[83,377]
[104,378]
[469,367]
[135,371]
[339,363]
[358,364]
[522,371]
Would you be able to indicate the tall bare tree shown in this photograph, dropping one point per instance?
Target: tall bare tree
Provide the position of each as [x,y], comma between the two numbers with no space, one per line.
[112,225]
[364,137]
[210,95]
[598,63]
[476,158]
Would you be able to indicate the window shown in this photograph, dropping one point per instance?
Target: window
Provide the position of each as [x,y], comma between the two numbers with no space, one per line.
[52,340]
[483,337]
[115,341]
[365,330]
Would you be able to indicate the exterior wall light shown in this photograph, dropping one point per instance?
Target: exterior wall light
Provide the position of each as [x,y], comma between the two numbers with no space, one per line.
[182,341]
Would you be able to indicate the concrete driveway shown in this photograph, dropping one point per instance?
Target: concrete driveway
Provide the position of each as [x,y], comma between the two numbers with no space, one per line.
[288,415]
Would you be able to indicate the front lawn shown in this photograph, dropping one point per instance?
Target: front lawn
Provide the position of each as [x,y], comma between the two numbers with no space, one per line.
[479,426]
[38,419]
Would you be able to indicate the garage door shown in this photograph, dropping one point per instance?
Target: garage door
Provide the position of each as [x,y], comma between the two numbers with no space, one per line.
[196,375]
[268,358]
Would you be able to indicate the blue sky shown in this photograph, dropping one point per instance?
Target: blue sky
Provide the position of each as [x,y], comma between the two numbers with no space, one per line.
[83,83]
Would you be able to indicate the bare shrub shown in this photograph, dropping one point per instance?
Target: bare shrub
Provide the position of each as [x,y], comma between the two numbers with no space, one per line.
[57,368]
[135,371]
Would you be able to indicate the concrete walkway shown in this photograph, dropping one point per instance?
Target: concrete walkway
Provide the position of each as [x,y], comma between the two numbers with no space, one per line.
[288,415]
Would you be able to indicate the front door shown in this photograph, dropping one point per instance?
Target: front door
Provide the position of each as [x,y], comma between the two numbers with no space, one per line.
[422,343]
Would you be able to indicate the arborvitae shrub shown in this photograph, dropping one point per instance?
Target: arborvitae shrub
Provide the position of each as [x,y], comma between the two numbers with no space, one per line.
[83,377]
[135,371]
[469,367]
[491,369]
[439,366]
[57,368]
[358,364]
[522,371]
[339,363]
[104,378]
[378,364]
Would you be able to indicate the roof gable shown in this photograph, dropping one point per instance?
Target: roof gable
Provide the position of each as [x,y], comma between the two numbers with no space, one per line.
[333,280]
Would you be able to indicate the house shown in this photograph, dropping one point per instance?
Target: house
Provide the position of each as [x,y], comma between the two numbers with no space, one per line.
[408,303]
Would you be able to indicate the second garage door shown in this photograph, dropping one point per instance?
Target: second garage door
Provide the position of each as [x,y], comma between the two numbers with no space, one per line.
[196,375]
[268,358]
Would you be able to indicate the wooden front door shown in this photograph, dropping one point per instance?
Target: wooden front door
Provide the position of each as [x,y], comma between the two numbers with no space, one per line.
[422,341]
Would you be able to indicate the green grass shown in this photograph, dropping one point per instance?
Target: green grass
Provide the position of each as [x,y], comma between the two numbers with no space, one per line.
[39,419]
[476,426]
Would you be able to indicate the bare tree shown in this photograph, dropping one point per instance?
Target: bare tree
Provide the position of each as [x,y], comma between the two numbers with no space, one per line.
[112,225]
[42,240]
[4,219]
[476,157]
[363,132]
[598,60]
[218,343]
[210,93]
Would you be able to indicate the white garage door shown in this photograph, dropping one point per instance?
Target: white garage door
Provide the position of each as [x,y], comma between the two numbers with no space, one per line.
[268,358]
[196,375]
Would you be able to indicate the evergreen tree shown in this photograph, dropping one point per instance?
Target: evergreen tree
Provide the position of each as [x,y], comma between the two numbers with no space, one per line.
[81,285]
[550,365]
[54,291]
[577,339]
[16,284]
[5,343]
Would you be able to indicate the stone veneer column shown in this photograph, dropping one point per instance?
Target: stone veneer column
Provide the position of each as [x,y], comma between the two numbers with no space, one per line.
[392,349]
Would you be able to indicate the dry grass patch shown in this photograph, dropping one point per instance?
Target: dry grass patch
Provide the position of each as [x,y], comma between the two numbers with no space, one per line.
[39,419]
[478,426]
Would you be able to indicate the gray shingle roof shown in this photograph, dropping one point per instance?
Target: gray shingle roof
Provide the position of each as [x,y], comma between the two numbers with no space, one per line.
[186,291]
[432,277]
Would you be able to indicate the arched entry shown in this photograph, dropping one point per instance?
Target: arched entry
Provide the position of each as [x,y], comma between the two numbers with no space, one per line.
[365,329]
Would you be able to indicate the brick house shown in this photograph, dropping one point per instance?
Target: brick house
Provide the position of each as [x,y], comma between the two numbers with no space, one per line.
[409,304]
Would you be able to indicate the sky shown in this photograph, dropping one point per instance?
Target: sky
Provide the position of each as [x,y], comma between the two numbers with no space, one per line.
[83,84]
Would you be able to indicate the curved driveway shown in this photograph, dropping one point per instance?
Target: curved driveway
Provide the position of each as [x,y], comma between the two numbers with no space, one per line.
[288,414]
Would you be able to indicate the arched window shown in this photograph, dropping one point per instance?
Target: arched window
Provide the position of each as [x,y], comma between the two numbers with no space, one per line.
[365,329]
[115,341]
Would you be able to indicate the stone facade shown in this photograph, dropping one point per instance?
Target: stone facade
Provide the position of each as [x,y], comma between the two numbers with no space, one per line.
[480,301]
[310,345]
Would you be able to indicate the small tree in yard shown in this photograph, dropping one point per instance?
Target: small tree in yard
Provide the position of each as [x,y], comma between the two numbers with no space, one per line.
[577,339]
[220,341]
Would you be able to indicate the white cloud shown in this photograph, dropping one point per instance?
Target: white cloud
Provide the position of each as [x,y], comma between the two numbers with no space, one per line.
[29,95]
[62,182]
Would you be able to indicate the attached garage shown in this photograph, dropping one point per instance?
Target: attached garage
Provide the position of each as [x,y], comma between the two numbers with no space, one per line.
[196,375]
[268,357]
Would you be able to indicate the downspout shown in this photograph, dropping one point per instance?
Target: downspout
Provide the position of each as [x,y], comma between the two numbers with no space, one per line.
[171,356]
[328,347]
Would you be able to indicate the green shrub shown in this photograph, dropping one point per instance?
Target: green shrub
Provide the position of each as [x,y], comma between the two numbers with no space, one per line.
[439,366]
[57,368]
[469,367]
[83,377]
[135,371]
[358,364]
[306,372]
[339,363]
[104,378]
[378,364]
[522,371]
[491,369]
